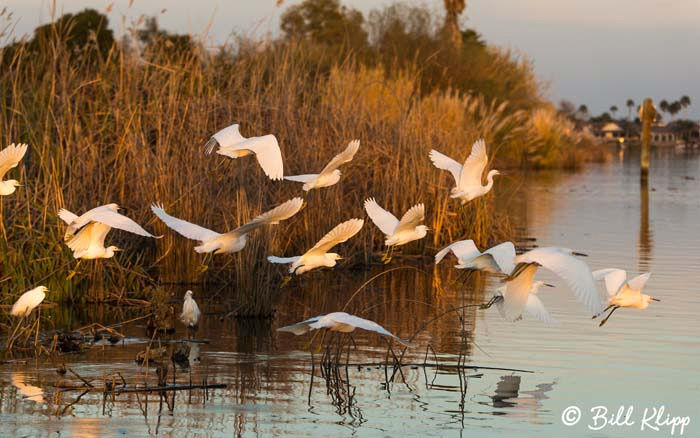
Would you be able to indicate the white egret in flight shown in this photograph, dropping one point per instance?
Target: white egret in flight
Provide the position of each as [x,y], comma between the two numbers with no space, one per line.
[397,232]
[233,145]
[92,228]
[28,301]
[621,292]
[467,176]
[232,241]
[330,174]
[533,305]
[318,256]
[339,322]
[190,312]
[496,260]
[562,262]
[9,158]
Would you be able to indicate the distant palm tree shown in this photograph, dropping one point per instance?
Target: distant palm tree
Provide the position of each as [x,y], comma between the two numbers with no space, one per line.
[451,28]
[583,111]
[613,110]
[630,107]
[674,108]
[663,105]
[685,103]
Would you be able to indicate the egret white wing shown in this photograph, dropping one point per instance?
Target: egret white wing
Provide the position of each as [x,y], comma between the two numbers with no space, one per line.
[474,166]
[384,220]
[116,220]
[412,218]
[573,271]
[67,216]
[184,228]
[302,178]
[85,218]
[274,216]
[462,249]
[93,233]
[517,290]
[638,282]
[344,157]
[301,327]
[226,137]
[282,260]
[339,234]
[535,308]
[11,156]
[503,254]
[267,152]
[364,324]
[614,279]
[442,161]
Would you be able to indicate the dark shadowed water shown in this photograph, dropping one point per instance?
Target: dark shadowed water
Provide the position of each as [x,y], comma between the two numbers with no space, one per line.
[644,359]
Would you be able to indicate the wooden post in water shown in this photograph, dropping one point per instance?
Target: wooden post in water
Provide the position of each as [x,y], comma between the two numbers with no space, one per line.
[648,115]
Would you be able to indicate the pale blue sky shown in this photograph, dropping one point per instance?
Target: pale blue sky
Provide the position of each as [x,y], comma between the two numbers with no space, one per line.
[597,52]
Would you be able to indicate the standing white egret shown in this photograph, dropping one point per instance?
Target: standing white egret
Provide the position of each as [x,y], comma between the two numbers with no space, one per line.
[88,243]
[232,241]
[28,301]
[533,305]
[397,232]
[318,256]
[562,262]
[496,260]
[339,322]
[9,158]
[467,176]
[621,292]
[330,174]
[233,145]
[190,312]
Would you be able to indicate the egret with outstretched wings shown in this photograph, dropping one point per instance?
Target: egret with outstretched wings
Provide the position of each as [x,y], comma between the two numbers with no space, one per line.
[232,241]
[467,176]
[330,174]
[233,145]
[318,256]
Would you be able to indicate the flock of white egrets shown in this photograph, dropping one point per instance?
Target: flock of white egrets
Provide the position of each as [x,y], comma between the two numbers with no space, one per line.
[85,235]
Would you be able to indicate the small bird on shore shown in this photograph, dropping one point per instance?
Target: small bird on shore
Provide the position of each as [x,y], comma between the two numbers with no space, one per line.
[28,301]
[496,260]
[10,158]
[397,233]
[233,145]
[330,174]
[190,312]
[340,322]
[467,176]
[533,306]
[621,292]
[562,262]
[85,234]
[318,256]
[232,241]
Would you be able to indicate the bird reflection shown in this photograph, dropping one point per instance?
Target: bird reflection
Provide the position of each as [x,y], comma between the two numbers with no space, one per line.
[508,395]
[28,392]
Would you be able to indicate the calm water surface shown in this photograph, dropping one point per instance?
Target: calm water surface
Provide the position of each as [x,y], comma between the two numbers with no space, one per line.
[641,359]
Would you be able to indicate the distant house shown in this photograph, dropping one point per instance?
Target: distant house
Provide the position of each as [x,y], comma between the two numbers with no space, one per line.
[618,131]
[663,135]
[612,131]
